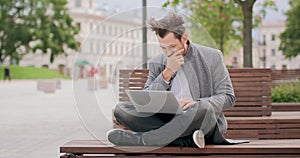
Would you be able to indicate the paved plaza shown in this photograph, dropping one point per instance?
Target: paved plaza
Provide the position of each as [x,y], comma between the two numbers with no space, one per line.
[34,124]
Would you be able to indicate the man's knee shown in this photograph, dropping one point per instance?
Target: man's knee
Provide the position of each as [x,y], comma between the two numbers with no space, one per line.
[118,112]
[125,111]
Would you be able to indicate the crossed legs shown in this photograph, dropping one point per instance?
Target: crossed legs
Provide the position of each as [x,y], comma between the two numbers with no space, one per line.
[161,129]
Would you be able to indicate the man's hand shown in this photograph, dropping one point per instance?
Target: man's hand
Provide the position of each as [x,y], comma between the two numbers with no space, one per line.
[174,62]
[185,103]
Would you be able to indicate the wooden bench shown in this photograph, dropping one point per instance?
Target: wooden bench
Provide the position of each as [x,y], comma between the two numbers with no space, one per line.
[252,89]
[251,118]
[285,107]
[48,86]
[281,125]
[256,148]
[285,76]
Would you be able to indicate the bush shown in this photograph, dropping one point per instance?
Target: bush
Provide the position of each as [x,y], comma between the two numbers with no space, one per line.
[288,92]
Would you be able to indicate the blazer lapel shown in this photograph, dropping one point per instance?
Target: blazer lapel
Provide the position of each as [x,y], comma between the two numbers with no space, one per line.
[193,82]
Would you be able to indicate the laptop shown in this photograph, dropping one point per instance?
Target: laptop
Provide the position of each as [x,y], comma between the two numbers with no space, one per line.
[148,101]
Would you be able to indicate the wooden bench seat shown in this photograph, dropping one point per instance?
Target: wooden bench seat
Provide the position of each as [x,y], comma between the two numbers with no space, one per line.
[266,148]
[280,125]
[292,107]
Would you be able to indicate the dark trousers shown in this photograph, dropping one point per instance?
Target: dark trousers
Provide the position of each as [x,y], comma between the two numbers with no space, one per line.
[7,76]
[161,129]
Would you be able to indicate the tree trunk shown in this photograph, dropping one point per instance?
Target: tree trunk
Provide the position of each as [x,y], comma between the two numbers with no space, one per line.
[247,32]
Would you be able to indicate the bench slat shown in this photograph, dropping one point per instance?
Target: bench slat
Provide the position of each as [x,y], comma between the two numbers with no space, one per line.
[285,106]
[252,148]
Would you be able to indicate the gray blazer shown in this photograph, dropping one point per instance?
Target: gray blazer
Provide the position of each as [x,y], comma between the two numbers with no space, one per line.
[207,76]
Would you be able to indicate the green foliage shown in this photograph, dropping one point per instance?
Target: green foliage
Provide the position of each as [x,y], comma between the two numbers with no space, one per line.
[30,73]
[290,38]
[220,20]
[28,26]
[288,92]
[216,18]
[224,24]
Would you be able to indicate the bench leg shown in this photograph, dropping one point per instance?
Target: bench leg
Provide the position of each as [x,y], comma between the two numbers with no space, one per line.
[70,155]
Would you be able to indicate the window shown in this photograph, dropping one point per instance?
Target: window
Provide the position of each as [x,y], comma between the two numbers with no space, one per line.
[78,25]
[95,46]
[108,30]
[97,29]
[103,29]
[273,52]
[264,58]
[91,27]
[98,46]
[113,49]
[273,37]
[283,67]
[91,4]
[118,49]
[264,40]
[77,3]
[91,47]
[273,66]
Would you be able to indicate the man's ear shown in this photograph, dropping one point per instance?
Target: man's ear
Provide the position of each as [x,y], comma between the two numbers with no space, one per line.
[184,38]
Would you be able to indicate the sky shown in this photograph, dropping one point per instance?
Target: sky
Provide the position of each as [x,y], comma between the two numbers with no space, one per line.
[272,16]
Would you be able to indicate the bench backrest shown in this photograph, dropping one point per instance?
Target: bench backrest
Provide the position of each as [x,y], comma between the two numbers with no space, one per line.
[132,80]
[252,89]
[282,76]
[286,74]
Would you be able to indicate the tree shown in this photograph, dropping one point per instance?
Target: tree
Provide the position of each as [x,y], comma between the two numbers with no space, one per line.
[32,25]
[290,38]
[224,29]
[232,18]
[247,8]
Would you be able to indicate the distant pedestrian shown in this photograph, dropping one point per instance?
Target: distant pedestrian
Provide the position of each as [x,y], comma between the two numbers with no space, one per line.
[7,73]
[234,63]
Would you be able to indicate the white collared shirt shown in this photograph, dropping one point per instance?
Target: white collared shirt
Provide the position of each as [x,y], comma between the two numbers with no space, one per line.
[180,86]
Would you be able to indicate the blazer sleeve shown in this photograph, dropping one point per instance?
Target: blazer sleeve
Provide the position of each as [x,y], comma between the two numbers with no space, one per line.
[223,94]
[155,79]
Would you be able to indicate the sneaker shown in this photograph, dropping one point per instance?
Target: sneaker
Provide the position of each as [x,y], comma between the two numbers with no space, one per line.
[121,137]
[198,138]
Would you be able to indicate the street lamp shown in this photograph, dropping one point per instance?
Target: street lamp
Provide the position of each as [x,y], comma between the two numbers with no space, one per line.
[222,27]
[144,60]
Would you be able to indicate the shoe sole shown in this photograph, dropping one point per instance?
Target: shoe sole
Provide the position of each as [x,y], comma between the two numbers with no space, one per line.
[107,133]
[198,138]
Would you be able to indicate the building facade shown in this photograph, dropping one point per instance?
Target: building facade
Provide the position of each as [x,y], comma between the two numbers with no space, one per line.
[109,40]
[265,50]
[269,55]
